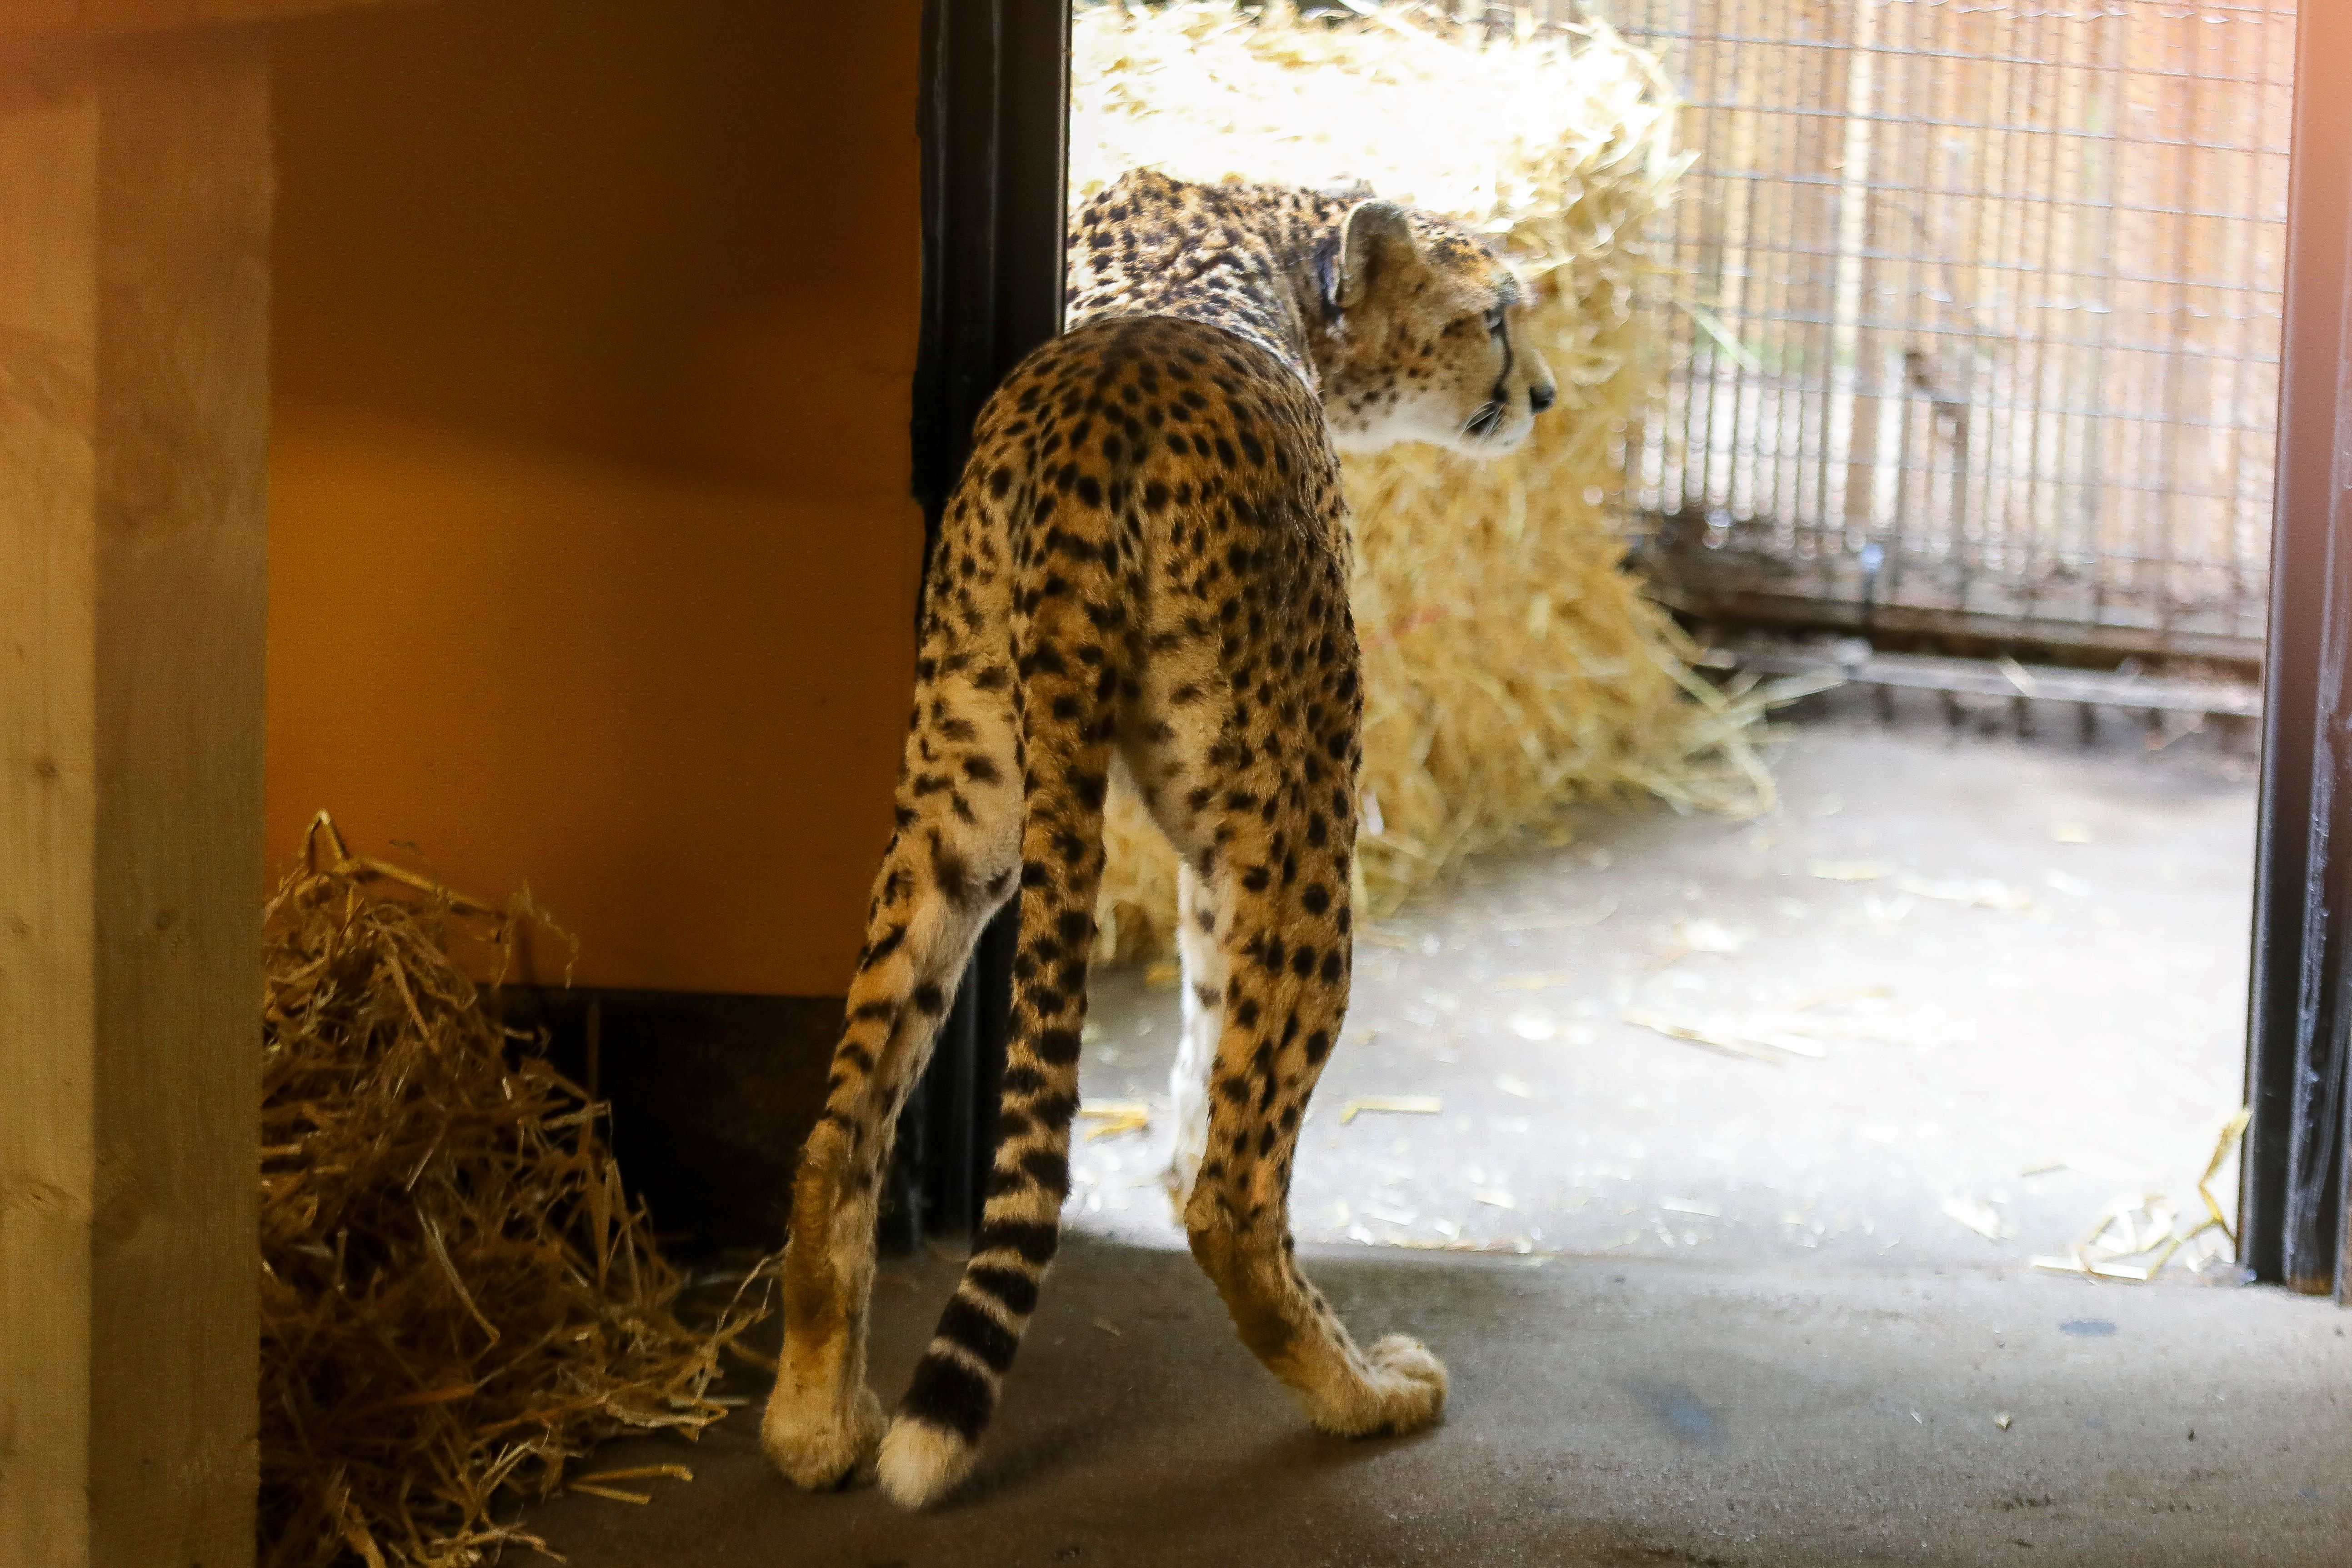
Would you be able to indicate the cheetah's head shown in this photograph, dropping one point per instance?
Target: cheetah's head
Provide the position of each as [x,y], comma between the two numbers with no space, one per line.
[1424,338]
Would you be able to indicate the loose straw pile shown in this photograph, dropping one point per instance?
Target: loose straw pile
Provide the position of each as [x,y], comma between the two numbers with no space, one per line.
[457,1297]
[1512,664]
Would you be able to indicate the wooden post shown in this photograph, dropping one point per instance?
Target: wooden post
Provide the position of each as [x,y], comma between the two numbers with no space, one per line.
[134,231]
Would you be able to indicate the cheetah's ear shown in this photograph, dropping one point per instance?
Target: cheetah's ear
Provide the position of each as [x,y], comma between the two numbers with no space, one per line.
[1376,237]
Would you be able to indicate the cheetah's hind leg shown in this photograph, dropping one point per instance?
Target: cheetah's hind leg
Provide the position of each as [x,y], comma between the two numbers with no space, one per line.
[940,880]
[934,1439]
[1204,1003]
[1279,1031]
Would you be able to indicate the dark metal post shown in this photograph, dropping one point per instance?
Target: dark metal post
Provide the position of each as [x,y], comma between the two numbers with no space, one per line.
[994,124]
[2293,1189]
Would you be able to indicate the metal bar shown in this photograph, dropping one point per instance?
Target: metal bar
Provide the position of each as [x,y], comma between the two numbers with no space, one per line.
[1777,177]
[2073,598]
[1753,607]
[2040,683]
[2276,222]
[2068,232]
[1732,546]
[2246,578]
[2033,569]
[1900,339]
[2235,389]
[2173,371]
[1963,56]
[994,121]
[1895,323]
[1932,124]
[2293,1197]
[2112,100]
[2124,487]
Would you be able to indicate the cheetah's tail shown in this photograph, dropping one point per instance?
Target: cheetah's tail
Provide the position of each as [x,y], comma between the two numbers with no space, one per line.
[935,1437]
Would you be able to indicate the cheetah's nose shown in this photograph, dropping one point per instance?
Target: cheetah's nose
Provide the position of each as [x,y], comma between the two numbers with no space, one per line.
[1542,398]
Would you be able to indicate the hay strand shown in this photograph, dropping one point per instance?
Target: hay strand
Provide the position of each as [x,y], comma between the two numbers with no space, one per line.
[455,1299]
[1512,664]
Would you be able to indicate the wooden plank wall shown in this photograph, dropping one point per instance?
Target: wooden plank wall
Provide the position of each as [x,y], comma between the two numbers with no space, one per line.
[593,562]
[135,228]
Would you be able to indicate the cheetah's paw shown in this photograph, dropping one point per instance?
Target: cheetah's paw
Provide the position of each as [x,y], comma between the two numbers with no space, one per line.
[828,1451]
[1403,1390]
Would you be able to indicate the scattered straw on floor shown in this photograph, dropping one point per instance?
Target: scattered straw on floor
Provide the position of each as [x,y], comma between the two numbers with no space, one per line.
[457,1297]
[2137,1235]
[1512,663]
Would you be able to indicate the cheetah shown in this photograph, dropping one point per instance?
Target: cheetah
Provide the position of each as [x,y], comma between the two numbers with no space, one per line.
[1144,569]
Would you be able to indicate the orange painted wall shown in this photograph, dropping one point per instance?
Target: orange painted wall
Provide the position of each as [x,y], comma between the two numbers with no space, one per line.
[592,555]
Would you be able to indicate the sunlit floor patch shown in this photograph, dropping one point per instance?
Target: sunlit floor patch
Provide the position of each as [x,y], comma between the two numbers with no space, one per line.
[1952,1002]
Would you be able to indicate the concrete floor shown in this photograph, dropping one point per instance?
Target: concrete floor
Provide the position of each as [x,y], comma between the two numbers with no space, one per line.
[1665,1410]
[1749,1326]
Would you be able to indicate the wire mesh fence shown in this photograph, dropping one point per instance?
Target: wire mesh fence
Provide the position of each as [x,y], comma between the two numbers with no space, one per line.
[1981,315]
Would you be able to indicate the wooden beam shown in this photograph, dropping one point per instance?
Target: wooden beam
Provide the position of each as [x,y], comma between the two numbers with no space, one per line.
[56,20]
[134,232]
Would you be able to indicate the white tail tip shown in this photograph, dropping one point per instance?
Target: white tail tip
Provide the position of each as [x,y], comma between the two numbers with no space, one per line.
[921,1463]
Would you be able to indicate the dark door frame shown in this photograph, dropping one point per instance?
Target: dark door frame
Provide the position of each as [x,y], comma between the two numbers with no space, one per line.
[2293,1191]
[995,128]
[994,122]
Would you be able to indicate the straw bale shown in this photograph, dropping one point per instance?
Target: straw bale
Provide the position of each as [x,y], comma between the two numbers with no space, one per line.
[457,1295]
[1513,664]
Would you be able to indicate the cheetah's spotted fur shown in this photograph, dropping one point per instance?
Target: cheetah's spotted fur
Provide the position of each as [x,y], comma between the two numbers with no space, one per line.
[1145,566]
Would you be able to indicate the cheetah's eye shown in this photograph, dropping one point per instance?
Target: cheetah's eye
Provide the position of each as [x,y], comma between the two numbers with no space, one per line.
[1495,321]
